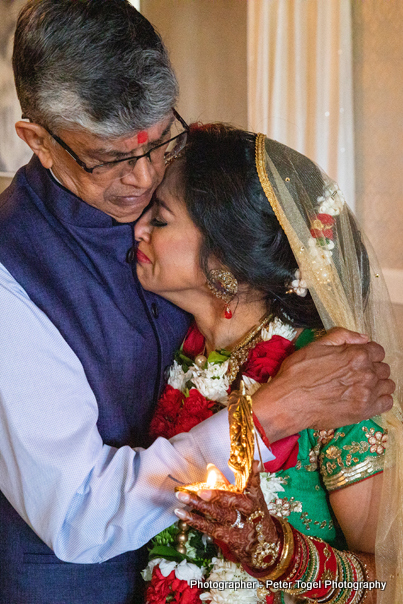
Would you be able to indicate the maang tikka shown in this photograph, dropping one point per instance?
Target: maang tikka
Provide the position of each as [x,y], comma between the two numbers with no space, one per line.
[224,286]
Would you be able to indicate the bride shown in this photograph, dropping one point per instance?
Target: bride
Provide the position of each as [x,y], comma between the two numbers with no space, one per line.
[254,241]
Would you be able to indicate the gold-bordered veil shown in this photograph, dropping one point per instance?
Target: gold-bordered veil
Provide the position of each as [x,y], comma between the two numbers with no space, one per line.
[348,289]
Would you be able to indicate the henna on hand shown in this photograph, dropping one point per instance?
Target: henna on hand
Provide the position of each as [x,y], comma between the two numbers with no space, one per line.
[219,512]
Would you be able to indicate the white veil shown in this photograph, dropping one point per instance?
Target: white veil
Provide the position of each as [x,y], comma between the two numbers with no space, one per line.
[348,289]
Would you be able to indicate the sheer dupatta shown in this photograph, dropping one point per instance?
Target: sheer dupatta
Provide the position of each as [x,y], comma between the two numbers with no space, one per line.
[348,289]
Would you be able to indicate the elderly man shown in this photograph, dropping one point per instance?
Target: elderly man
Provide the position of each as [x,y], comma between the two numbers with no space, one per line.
[83,347]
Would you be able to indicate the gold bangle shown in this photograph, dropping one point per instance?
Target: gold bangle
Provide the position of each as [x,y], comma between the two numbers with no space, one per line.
[286,553]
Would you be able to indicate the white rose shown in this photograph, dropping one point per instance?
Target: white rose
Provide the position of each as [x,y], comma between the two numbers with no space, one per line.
[148,571]
[318,252]
[167,566]
[270,485]
[212,382]
[278,328]
[186,571]
[177,377]
[224,570]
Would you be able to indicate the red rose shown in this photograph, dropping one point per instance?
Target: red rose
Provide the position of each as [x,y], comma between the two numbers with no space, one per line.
[179,591]
[193,343]
[318,234]
[184,594]
[195,409]
[159,588]
[198,405]
[265,359]
[326,219]
[166,414]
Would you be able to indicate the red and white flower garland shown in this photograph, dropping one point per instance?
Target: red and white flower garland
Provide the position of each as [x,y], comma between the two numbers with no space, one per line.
[193,394]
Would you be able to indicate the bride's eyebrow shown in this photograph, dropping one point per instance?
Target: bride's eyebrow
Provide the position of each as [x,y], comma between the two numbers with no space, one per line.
[161,204]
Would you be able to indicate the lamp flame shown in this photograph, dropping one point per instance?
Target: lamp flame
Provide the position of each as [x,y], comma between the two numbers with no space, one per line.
[211,479]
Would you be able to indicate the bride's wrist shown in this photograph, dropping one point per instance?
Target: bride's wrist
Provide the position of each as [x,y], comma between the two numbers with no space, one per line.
[314,570]
[270,559]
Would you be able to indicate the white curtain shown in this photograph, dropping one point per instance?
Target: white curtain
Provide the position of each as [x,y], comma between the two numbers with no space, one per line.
[300,80]
[136,3]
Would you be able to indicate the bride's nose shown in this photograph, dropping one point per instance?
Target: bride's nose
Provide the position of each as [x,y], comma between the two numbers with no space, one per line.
[143,228]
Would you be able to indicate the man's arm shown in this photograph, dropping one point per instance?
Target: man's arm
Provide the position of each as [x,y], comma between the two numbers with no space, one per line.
[335,381]
[88,501]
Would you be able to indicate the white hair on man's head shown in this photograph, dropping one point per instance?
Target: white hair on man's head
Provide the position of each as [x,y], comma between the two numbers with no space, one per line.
[92,64]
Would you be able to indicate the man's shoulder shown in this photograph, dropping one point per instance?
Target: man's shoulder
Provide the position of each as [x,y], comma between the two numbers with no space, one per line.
[17,189]
[18,199]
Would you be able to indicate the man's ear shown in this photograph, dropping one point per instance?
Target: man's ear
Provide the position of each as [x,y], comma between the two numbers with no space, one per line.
[37,139]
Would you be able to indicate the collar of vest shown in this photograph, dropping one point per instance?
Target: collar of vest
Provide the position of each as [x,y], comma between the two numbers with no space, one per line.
[61,202]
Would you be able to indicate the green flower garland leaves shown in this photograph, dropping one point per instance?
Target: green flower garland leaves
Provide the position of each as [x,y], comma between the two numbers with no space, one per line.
[163,546]
[219,356]
[183,360]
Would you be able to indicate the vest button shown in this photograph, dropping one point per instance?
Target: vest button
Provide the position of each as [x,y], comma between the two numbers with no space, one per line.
[154,310]
[131,255]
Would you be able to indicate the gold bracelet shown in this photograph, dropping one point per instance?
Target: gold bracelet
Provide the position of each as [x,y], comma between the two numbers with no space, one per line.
[286,553]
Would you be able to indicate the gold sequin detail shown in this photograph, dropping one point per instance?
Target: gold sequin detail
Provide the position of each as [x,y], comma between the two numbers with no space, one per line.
[366,468]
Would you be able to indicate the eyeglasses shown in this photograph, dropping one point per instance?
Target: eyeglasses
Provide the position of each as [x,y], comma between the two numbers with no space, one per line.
[159,154]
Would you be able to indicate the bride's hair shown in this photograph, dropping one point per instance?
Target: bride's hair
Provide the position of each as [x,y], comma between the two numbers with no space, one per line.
[225,200]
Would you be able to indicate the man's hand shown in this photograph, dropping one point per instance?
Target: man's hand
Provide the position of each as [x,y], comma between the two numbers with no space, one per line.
[335,381]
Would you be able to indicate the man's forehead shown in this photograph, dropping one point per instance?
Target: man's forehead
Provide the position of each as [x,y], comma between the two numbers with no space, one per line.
[128,144]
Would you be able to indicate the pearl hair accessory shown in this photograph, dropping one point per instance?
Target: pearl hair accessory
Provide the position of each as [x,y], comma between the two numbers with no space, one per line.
[298,286]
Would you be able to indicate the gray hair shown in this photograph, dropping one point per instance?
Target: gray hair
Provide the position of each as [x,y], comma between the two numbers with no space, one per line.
[92,64]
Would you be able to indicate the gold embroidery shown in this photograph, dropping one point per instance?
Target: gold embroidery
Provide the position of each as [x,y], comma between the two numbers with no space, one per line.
[369,466]
[333,452]
[283,507]
[376,444]
[330,466]
[324,436]
[307,521]
[313,460]
[376,440]
[322,524]
[339,435]
[361,447]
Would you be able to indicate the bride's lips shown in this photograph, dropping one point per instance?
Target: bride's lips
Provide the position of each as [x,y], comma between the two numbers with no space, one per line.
[142,258]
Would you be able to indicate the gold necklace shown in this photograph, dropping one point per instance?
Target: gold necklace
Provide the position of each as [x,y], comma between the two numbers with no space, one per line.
[241,351]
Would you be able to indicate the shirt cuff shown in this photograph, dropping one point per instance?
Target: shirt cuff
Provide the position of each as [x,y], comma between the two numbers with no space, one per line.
[212,441]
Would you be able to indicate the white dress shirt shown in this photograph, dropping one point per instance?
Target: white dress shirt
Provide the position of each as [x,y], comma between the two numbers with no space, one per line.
[88,501]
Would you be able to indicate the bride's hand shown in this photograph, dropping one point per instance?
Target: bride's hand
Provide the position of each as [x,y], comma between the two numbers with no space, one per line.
[225,516]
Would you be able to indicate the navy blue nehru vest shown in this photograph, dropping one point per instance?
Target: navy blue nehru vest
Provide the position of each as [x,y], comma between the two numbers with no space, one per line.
[75,265]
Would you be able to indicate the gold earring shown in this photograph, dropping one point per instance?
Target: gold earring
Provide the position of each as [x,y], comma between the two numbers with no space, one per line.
[224,286]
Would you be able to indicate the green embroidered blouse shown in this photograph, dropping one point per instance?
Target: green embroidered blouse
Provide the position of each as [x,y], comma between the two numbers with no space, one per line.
[327,460]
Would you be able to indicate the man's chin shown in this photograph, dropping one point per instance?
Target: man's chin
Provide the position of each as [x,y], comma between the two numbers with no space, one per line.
[128,209]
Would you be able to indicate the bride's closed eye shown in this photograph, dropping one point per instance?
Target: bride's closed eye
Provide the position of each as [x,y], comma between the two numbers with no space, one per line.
[157,222]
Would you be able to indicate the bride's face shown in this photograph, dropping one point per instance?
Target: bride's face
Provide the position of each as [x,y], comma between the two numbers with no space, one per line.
[169,246]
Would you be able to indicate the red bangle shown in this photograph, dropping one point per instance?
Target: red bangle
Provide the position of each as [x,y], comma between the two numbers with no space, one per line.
[327,567]
[262,433]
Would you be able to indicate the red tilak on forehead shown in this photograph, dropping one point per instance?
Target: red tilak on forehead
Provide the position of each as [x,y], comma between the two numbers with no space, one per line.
[142,137]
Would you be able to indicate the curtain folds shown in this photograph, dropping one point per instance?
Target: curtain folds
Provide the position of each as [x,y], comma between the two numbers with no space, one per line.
[300,80]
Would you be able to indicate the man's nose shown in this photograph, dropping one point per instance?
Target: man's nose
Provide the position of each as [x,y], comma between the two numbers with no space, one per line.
[143,228]
[141,176]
